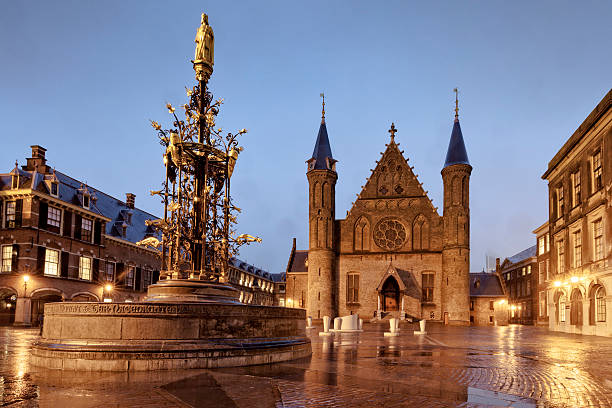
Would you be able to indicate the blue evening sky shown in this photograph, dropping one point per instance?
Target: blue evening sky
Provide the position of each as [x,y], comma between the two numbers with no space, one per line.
[83,78]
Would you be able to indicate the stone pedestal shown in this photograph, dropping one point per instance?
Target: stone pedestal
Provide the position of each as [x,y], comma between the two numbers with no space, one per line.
[192,291]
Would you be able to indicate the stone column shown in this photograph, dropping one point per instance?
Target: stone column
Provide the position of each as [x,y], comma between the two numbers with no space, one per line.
[378,309]
[23,311]
[402,311]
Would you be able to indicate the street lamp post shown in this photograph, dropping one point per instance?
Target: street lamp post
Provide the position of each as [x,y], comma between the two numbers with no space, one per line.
[26,279]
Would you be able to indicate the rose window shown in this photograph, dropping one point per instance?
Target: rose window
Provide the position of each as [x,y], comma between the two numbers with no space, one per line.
[389,234]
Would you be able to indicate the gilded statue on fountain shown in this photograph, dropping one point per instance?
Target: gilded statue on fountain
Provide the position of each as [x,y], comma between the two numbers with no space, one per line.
[197,231]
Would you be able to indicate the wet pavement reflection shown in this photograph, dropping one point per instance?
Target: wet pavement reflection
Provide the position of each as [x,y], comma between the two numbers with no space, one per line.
[516,366]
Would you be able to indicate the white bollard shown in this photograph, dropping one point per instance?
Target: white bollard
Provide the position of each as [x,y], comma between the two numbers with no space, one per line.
[337,323]
[422,327]
[326,332]
[360,324]
[397,325]
[309,322]
[393,324]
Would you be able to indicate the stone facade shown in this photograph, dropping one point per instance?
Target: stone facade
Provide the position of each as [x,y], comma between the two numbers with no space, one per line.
[393,254]
[488,300]
[579,176]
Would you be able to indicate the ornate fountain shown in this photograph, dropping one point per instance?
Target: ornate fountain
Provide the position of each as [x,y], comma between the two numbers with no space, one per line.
[191,318]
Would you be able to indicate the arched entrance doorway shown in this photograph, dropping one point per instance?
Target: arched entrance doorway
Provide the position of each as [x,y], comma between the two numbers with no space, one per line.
[8,299]
[390,294]
[39,298]
[576,308]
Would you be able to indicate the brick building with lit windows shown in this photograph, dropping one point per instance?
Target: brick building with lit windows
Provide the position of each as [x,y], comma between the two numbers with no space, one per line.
[543,279]
[62,240]
[520,275]
[579,176]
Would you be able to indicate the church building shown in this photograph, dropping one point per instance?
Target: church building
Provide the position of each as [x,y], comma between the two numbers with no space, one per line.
[393,254]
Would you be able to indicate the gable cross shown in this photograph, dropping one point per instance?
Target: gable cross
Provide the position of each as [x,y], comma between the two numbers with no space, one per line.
[393,130]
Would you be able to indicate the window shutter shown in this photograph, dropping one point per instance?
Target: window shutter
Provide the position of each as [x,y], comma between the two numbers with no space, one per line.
[67,223]
[138,278]
[65,262]
[120,274]
[18,210]
[43,212]
[97,233]
[40,261]
[77,226]
[155,277]
[15,259]
[96,270]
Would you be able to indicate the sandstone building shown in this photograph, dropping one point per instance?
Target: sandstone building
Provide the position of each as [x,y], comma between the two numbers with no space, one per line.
[393,253]
[579,176]
[488,301]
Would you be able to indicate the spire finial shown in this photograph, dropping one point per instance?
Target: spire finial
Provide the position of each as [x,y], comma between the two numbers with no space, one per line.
[456,104]
[16,163]
[393,130]
[323,110]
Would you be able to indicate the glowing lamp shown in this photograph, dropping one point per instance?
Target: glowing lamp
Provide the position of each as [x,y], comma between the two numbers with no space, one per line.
[501,302]
[26,278]
[108,288]
[557,284]
[513,307]
[574,279]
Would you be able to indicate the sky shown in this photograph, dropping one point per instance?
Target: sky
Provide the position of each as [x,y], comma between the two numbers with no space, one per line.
[83,79]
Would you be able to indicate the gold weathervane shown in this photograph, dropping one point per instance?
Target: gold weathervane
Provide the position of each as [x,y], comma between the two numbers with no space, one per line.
[322,95]
[456,103]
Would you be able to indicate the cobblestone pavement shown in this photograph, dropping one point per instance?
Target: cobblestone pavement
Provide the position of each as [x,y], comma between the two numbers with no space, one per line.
[450,366]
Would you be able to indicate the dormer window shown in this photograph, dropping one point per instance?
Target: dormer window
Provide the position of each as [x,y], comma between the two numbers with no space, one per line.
[86,201]
[123,230]
[15,181]
[129,218]
[54,188]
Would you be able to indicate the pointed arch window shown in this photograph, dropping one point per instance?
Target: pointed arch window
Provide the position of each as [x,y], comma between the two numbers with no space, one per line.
[362,234]
[600,304]
[420,233]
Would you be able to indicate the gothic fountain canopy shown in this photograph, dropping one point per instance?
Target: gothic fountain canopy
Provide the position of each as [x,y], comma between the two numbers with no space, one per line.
[198,230]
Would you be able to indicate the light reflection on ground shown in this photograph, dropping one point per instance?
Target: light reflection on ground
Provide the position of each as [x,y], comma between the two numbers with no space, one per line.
[451,366]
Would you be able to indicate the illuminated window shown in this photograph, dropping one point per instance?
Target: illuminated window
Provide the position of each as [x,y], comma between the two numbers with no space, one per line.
[51,262]
[600,304]
[576,188]
[547,243]
[85,268]
[110,272]
[577,249]
[542,272]
[562,309]
[10,211]
[281,301]
[541,245]
[528,269]
[598,240]
[597,183]
[560,201]
[7,258]
[428,287]
[86,229]
[560,257]
[352,285]
[54,217]
[129,277]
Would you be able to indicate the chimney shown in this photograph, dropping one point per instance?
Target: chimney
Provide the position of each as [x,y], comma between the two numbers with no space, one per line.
[497,265]
[37,161]
[130,200]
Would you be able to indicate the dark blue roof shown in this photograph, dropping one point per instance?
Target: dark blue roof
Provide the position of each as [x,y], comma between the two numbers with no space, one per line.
[485,284]
[521,256]
[322,150]
[456,153]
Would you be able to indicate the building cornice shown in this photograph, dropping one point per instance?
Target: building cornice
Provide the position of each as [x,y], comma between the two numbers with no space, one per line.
[602,107]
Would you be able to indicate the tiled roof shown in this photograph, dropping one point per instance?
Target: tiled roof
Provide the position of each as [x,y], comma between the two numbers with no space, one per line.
[521,256]
[250,269]
[456,153]
[485,284]
[299,263]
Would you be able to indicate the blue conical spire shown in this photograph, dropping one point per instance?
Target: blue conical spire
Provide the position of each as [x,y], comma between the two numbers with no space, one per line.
[322,150]
[456,153]
[322,158]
